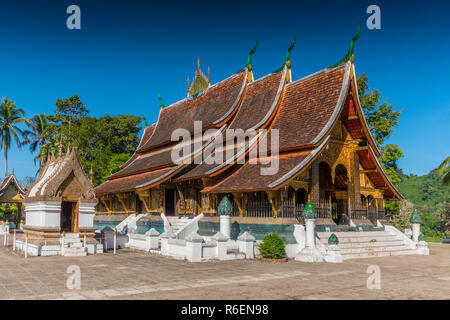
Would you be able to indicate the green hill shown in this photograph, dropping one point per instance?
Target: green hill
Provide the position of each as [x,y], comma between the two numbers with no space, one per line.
[430,196]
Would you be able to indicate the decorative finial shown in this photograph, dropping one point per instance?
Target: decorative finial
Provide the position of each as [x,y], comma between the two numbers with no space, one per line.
[250,54]
[309,212]
[145,121]
[288,54]
[349,55]
[415,218]
[161,103]
[91,172]
[188,85]
[209,76]
[198,62]
[225,208]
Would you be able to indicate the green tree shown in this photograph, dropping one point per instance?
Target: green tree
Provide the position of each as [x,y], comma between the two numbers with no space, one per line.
[444,171]
[68,110]
[115,162]
[10,118]
[39,132]
[102,142]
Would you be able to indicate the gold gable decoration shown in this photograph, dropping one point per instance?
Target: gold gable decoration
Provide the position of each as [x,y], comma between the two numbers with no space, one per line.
[200,82]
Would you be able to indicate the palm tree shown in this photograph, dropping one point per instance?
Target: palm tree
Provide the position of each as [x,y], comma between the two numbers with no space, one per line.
[10,117]
[40,130]
[443,171]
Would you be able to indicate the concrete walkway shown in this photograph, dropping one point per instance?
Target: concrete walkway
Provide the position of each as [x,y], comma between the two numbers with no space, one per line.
[138,275]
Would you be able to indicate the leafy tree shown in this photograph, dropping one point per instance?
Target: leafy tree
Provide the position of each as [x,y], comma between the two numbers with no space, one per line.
[115,162]
[99,140]
[444,171]
[69,109]
[10,118]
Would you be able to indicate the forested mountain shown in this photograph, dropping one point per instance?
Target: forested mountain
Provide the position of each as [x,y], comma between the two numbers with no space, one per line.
[430,195]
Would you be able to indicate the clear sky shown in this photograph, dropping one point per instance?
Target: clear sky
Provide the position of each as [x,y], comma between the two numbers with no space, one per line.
[128,51]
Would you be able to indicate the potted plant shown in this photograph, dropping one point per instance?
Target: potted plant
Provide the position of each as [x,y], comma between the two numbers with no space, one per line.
[272,248]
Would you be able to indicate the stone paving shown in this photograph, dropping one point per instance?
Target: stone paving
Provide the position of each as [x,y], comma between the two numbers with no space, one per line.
[138,275]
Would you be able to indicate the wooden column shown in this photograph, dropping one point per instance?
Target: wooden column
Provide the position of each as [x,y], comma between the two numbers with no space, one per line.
[275,201]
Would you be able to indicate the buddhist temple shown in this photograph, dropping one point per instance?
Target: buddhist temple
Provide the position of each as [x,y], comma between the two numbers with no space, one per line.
[11,195]
[60,203]
[312,130]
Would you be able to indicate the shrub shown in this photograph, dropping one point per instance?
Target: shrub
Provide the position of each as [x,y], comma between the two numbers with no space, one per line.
[272,246]
[14,211]
[2,211]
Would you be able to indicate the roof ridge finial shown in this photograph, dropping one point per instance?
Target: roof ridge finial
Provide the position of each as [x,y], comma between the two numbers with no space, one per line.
[250,54]
[288,54]
[188,85]
[161,103]
[198,62]
[350,56]
[209,76]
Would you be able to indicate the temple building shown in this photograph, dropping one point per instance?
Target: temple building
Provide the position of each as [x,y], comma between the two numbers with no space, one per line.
[312,129]
[11,196]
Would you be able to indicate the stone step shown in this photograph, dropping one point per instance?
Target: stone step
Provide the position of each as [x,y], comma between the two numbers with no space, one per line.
[351,234]
[71,235]
[74,245]
[370,244]
[363,239]
[377,254]
[74,252]
[373,249]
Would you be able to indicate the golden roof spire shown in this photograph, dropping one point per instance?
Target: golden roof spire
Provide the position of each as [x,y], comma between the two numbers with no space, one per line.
[200,81]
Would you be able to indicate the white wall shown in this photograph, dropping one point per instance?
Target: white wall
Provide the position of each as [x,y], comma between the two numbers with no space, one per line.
[43,214]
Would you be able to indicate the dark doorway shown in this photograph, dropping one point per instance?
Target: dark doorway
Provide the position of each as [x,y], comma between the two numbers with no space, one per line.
[67,216]
[170,202]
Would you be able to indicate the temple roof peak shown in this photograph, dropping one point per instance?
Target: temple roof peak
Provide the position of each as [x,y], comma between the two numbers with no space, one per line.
[200,81]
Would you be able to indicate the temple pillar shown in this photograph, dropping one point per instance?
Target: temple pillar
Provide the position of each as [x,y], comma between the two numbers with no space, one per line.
[356,179]
[275,201]
[315,191]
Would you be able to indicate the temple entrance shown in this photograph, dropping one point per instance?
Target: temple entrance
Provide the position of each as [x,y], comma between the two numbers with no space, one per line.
[68,216]
[341,183]
[169,201]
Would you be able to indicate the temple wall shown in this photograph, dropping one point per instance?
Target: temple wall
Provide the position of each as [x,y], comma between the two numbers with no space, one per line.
[43,214]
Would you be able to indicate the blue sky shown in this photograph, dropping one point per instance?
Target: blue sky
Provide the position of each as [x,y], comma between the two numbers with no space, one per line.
[128,51]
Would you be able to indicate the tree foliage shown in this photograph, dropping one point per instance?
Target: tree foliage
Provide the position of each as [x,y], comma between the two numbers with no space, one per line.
[10,118]
[101,142]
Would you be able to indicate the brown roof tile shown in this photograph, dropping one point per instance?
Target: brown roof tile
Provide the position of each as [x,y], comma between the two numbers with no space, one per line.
[128,183]
[212,107]
[249,178]
[307,107]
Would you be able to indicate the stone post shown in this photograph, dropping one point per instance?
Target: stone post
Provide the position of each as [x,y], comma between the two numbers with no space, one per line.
[422,246]
[221,241]
[416,221]
[194,248]
[310,252]
[246,244]
[225,210]
[151,237]
[165,236]
[333,250]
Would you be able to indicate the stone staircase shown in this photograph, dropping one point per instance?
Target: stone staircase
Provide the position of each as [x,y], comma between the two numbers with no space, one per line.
[73,247]
[368,244]
[178,223]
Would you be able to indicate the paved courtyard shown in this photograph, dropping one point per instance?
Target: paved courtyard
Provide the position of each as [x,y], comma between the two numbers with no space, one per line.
[138,275]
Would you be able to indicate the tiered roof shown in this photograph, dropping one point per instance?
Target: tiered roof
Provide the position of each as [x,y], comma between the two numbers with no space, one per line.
[304,112]
[8,180]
